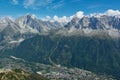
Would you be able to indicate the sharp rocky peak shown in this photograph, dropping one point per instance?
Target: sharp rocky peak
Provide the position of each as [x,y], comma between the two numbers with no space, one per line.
[6,20]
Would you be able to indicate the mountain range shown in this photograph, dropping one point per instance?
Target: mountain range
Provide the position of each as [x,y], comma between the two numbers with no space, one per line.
[14,31]
[90,42]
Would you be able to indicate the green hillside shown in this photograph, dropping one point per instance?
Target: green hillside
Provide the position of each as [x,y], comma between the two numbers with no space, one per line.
[97,54]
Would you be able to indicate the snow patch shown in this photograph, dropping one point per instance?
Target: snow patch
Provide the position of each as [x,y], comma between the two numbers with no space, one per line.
[17,41]
[40,73]
[13,57]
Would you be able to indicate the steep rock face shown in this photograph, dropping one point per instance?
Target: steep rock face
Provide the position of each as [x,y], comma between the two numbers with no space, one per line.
[26,24]
[8,30]
[103,22]
[89,25]
[13,32]
[29,22]
[8,23]
[72,23]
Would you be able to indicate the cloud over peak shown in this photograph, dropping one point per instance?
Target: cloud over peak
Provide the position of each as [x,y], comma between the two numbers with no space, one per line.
[61,19]
[80,14]
[111,12]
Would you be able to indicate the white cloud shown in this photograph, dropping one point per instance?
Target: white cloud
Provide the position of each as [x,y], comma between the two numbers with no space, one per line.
[28,3]
[112,12]
[64,18]
[96,15]
[56,18]
[109,12]
[36,3]
[61,19]
[79,14]
[55,5]
[48,17]
[71,17]
[15,2]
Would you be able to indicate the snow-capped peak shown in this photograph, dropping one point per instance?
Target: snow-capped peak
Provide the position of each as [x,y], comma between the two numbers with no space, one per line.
[30,15]
[6,20]
[109,12]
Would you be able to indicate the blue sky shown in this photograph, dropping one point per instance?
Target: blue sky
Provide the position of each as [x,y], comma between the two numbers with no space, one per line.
[42,8]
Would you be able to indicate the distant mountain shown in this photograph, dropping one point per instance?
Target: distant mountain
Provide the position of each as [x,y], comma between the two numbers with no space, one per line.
[87,24]
[30,23]
[28,26]
[12,32]
[102,22]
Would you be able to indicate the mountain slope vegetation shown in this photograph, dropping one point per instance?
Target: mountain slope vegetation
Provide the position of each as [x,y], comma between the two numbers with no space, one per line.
[97,54]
